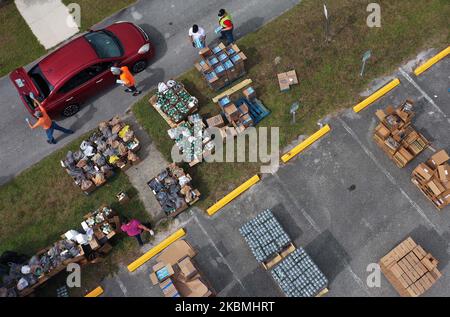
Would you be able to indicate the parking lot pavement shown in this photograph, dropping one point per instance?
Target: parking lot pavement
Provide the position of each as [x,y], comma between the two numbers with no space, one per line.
[343,200]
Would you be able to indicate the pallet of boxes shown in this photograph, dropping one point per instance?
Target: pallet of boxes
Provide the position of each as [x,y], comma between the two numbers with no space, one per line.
[177,274]
[293,269]
[395,135]
[221,65]
[410,269]
[173,102]
[241,110]
[173,190]
[192,139]
[112,145]
[433,179]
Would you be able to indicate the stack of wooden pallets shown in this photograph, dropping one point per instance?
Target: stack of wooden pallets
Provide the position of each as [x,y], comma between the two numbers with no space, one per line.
[410,269]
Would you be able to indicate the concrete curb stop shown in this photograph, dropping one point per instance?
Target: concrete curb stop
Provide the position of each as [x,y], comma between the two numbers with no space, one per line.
[232,195]
[95,293]
[157,249]
[376,95]
[306,143]
[419,70]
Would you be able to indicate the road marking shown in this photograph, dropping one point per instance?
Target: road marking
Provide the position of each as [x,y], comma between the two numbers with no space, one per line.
[357,279]
[218,251]
[122,286]
[424,94]
[389,176]
[294,201]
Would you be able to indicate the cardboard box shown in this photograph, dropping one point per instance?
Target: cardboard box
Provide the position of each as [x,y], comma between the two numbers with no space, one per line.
[380,115]
[243,109]
[105,249]
[205,52]
[232,49]
[216,121]
[161,272]
[231,112]
[187,268]
[94,243]
[216,50]
[438,158]
[249,93]
[436,187]
[168,288]
[382,131]
[445,196]
[444,173]
[423,172]
[246,120]
[283,82]
[292,77]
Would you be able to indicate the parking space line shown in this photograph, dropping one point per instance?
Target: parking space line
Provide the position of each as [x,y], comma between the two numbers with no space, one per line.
[389,176]
[297,205]
[424,94]
[235,276]
[356,278]
[121,286]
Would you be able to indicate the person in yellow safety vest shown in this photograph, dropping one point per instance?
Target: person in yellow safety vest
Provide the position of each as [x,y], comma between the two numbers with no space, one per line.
[227,26]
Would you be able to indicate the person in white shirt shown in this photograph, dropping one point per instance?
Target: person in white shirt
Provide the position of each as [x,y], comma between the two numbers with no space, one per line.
[197,36]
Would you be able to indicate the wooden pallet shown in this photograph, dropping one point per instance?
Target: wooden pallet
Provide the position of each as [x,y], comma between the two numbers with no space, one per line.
[279,256]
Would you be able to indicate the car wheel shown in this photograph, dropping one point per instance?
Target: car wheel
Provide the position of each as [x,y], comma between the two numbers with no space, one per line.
[139,66]
[70,110]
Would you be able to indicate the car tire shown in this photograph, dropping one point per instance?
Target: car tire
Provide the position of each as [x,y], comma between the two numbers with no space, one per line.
[139,66]
[70,110]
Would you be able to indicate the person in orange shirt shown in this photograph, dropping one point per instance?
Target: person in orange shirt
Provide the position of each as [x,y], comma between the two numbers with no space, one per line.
[44,121]
[126,79]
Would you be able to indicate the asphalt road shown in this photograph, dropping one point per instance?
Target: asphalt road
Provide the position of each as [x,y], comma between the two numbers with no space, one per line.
[167,22]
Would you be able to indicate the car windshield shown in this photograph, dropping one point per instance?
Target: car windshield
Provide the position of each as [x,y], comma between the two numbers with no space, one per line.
[105,44]
[40,81]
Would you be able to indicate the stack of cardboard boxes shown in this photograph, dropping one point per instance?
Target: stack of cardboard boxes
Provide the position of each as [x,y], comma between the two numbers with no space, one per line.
[173,102]
[238,116]
[433,179]
[410,269]
[176,273]
[221,65]
[285,80]
[395,135]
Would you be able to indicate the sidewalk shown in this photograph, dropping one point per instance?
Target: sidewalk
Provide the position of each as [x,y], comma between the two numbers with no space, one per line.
[49,20]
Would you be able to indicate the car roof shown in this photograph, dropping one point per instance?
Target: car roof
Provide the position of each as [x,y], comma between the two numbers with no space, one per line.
[67,59]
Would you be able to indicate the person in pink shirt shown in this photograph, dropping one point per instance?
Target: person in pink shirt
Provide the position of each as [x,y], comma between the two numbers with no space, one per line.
[134,228]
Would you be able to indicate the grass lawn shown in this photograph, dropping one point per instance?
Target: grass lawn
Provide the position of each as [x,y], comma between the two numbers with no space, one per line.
[328,72]
[42,203]
[19,45]
[94,11]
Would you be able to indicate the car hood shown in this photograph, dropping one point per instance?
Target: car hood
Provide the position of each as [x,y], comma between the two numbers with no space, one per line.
[129,35]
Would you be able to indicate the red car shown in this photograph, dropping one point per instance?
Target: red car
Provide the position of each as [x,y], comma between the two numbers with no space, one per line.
[81,68]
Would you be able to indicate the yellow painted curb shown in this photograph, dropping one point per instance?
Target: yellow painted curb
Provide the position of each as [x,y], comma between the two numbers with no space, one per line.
[95,293]
[236,192]
[419,70]
[154,251]
[303,145]
[377,95]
